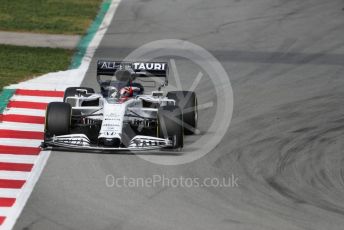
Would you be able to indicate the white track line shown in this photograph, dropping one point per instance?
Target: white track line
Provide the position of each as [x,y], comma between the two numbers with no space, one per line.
[92,47]
[20,142]
[12,158]
[35,99]
[22,126]
[28,112]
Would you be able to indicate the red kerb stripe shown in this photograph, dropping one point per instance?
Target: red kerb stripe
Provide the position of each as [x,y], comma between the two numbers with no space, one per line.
[5,133]
[6,202]
[15,167]
[4,149]
[14,184]
[27,105]
[39,93]
[2,219]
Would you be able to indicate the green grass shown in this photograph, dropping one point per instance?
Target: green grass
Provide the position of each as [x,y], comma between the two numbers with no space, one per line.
[19,63]
[48,16]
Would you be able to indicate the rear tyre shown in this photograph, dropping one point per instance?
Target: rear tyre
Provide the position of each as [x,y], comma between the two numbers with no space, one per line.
[170,125]
[187,102]
[57,119]
[72,91]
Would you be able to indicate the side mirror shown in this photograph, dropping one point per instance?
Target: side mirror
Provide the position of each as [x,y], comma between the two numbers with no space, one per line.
[81,92]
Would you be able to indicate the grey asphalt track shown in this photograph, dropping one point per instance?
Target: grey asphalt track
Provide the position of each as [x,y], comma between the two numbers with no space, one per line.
[285,143]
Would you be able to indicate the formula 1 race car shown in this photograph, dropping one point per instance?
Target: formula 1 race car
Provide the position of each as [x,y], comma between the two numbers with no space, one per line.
[122,116]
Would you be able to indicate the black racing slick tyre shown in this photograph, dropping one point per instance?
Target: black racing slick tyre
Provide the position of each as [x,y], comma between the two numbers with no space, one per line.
[72,91]
[57,119]
[170,125]
[187,102]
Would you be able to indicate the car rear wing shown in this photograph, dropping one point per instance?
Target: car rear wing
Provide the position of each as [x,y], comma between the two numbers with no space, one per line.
[141,69]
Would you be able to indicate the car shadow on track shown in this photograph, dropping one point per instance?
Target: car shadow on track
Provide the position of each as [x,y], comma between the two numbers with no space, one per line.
[167,152]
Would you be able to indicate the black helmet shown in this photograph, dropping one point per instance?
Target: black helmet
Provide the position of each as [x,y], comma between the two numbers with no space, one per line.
[123,75]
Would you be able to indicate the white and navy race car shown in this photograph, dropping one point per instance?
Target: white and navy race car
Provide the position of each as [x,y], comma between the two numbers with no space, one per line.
[123,116]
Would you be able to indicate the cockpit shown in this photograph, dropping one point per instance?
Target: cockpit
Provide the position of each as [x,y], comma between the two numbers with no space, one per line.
[121,85]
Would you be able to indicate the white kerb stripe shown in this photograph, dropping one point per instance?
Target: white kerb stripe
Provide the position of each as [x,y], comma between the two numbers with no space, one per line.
[20,142]
[35,99]
[14,175]
[5,211]
[10,193]
[27,112]
[22,126]
[12,158]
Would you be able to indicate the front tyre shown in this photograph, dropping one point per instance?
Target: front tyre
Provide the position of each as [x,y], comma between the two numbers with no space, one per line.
[170,125]
[187,102]
[57,119]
